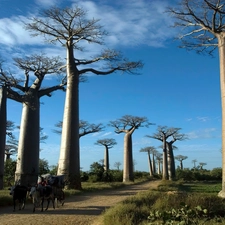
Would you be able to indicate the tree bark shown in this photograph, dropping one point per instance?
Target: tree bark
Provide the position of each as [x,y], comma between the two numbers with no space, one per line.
[128,174]
[3,119]
[171,161]
[150,165]
[165,175]
[221,47]
[106,159]
[27,167]
[69,159]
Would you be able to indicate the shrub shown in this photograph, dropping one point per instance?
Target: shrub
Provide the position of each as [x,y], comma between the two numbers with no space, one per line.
[216,173]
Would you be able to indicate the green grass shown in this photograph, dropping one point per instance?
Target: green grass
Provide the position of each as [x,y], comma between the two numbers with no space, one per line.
[170,196]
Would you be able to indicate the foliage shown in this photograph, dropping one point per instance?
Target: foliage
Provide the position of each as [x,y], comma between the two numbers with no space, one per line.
[216,173]
[170,202]
[182,216]
[53,169]
[199,174]
[43,166]
[9,172]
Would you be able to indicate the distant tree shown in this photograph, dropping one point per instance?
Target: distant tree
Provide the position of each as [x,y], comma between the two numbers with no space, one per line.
[163,134]
[107,143]
[28,92]
[180,158]
[194,162]
[71,28]
[53,169]
[97,169]
[149,150]
[9,172]
[11,147]
[117,165]
[43,167]
[203,29]
[84,128]
[128,124]
[159,160]
[201,164]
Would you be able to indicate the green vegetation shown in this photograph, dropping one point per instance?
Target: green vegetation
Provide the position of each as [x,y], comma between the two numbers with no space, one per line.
[171,203]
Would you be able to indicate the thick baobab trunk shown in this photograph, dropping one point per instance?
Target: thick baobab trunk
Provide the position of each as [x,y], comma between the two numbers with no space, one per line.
[165,175]
[153,163]
[128,174]
[171,162]
[181,164]
[221,46]
[150,165]
[2,132]
[106,159]
[27,168]
[69,159]
[159,165]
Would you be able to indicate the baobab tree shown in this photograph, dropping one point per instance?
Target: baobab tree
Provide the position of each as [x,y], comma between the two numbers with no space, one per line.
[107,143]
[2,131]
[159,160]
[163,134]
[84,128]
[71,28]
[28,92]
[203,30]
[128,124]
[194,162]
[201,164]
[149,151]
[11,147]
[181,158]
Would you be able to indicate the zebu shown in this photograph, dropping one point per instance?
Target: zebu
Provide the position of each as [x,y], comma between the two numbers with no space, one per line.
[57,183]
[39,194]
[19,192]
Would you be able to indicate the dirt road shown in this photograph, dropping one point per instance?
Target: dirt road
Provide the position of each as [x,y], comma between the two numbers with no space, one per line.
[84,209]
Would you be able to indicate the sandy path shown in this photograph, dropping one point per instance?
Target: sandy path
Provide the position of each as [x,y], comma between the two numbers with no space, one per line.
[84,209]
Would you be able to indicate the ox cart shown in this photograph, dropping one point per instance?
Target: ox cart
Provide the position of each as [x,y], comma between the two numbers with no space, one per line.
[57,183]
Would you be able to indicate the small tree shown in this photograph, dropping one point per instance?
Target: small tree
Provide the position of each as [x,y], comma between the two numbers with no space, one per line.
[194,162]
[163,134]
[107,143]
[181,158]
[43,166]
[149,151]
[201,164]
[128,124]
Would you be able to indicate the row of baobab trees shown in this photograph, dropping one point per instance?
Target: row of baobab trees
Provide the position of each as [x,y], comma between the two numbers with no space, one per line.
[128,124]
[203,29]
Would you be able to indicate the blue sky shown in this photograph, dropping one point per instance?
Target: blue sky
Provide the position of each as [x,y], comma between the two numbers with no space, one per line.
[175,88]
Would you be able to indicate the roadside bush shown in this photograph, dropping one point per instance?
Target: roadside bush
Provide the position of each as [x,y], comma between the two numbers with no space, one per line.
[216,173]
[170,205]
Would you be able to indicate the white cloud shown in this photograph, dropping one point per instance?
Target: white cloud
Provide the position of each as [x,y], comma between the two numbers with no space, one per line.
[128,23]
[132,22]
[203,133]
[12,32]
[47,3]
[203,118]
